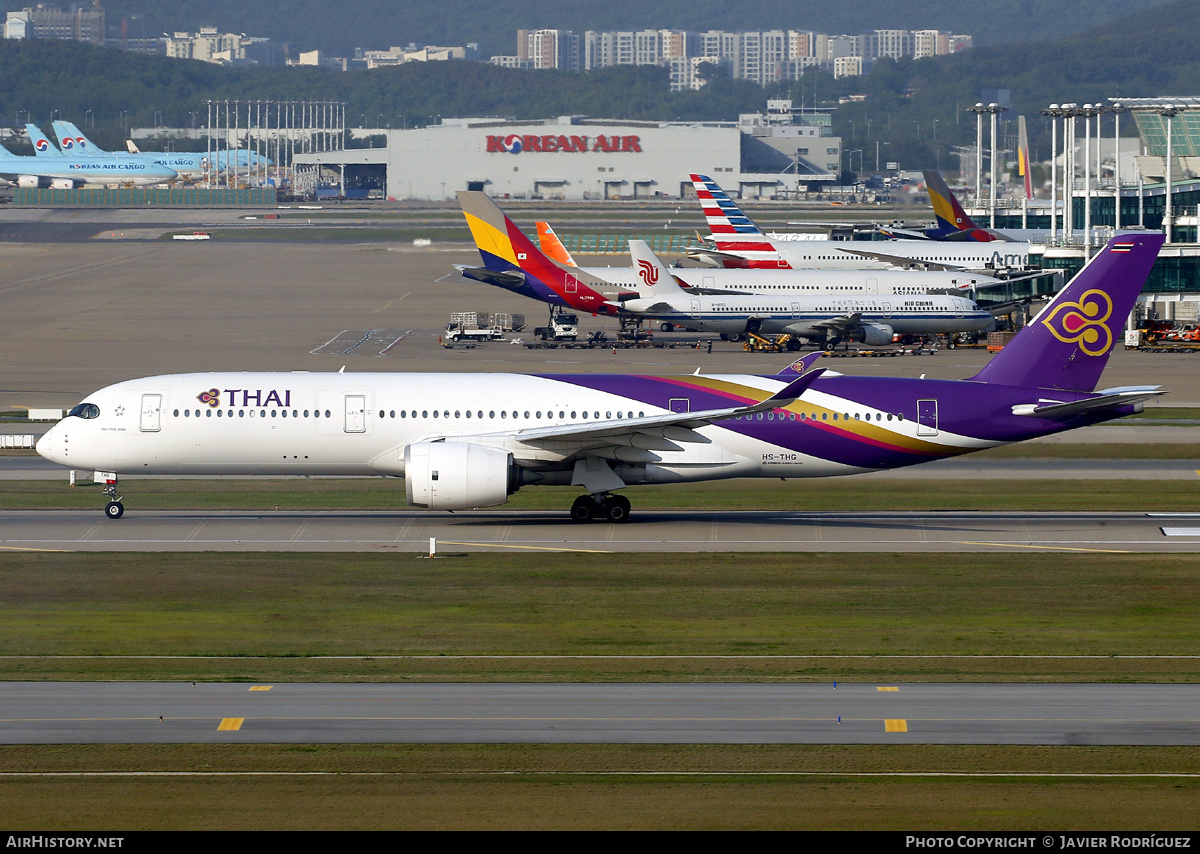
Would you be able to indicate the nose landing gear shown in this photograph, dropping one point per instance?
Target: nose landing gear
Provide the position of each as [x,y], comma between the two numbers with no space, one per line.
[600,507]
[114,509]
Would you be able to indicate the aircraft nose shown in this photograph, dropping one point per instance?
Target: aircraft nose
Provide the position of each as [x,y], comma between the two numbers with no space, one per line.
[46,444]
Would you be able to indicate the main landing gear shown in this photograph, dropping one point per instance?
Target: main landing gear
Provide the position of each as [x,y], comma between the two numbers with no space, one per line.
[600,507]
[114,509]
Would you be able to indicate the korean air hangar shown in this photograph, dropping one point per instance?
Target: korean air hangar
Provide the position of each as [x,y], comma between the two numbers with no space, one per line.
[575,158]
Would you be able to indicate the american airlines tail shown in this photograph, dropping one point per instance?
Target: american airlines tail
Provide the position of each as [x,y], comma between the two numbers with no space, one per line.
[733,231]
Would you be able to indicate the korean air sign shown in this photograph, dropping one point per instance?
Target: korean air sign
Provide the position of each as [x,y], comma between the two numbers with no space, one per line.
[516,143]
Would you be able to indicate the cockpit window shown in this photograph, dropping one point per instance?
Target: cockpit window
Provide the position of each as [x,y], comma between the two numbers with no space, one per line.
[85,410]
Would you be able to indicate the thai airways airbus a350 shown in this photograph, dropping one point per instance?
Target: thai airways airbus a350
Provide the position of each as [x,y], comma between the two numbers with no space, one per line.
[471,440]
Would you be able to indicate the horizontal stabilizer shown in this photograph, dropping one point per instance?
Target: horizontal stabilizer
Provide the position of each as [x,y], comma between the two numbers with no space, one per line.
[510,279]
[1108,399]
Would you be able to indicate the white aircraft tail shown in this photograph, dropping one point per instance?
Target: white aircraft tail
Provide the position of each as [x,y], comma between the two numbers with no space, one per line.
[654,278]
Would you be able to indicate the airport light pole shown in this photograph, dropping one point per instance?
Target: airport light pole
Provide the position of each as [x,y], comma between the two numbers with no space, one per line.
[1169,113]
[1054,113]
[1117,109]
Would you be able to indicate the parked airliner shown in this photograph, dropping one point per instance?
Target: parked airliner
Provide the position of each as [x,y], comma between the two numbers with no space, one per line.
[470,440]
[62,172]
[738,242]
[191,164]
[826,318]
[830,308]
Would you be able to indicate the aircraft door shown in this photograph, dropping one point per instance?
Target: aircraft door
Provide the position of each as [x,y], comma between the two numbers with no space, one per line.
[151,418]
[681,404]
[927,418]
[694,308]
[356,413]
[572,284]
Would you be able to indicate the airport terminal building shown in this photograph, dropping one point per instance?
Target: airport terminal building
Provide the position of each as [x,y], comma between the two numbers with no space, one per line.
[576,158]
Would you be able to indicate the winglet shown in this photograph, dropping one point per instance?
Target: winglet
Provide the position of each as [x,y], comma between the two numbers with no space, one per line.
[801,366]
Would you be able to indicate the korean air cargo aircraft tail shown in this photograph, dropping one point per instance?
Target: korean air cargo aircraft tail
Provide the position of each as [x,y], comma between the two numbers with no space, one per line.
[510,260]
[41,145]
[739,242]
[73,141]
[1067,346]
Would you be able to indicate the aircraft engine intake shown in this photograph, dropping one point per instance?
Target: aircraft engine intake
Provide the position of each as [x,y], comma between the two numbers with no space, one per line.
[458,476]
[873,334]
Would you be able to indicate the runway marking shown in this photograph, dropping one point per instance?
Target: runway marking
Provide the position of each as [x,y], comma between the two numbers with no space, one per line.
[1051,548]
[681,773]
[535,548]
[887,689]
[389,302]
[895,725]
[260,687]
[231,724]
[29,549]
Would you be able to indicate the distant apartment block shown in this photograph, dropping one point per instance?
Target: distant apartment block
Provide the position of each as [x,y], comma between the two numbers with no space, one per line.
[763,57]
[82,23]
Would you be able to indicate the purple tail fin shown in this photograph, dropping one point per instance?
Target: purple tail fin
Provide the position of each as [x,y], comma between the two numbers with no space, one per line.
[1067,345]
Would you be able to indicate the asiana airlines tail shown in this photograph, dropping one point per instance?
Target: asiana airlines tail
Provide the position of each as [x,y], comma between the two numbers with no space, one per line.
[462,441]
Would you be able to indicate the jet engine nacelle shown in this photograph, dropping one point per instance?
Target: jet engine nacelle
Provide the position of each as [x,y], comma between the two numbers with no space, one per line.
[873,334]
[458,476]
[29,181]
[62,184]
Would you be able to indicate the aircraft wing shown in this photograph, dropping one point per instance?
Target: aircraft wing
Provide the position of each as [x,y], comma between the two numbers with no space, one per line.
[840,324]
[642,436]
[1111,398]
[903,263]
[714,256]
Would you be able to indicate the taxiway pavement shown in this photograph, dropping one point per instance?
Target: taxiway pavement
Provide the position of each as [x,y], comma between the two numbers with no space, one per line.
[552,531]
[159,713]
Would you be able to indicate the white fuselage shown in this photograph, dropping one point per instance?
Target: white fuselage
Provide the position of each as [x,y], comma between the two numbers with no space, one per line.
[858,281]
[856,254]
[361,424]
[807,315]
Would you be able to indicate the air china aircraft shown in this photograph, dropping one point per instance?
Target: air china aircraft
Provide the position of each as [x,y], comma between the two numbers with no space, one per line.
[470,440]
[826,318]
[738,242]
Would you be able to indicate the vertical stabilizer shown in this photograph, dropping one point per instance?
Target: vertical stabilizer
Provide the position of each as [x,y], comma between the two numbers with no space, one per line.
[73,141]
[654,277]
[732,231]
[505,248]
[42,146]
[1023,168]
[552,246]
[1067,345]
